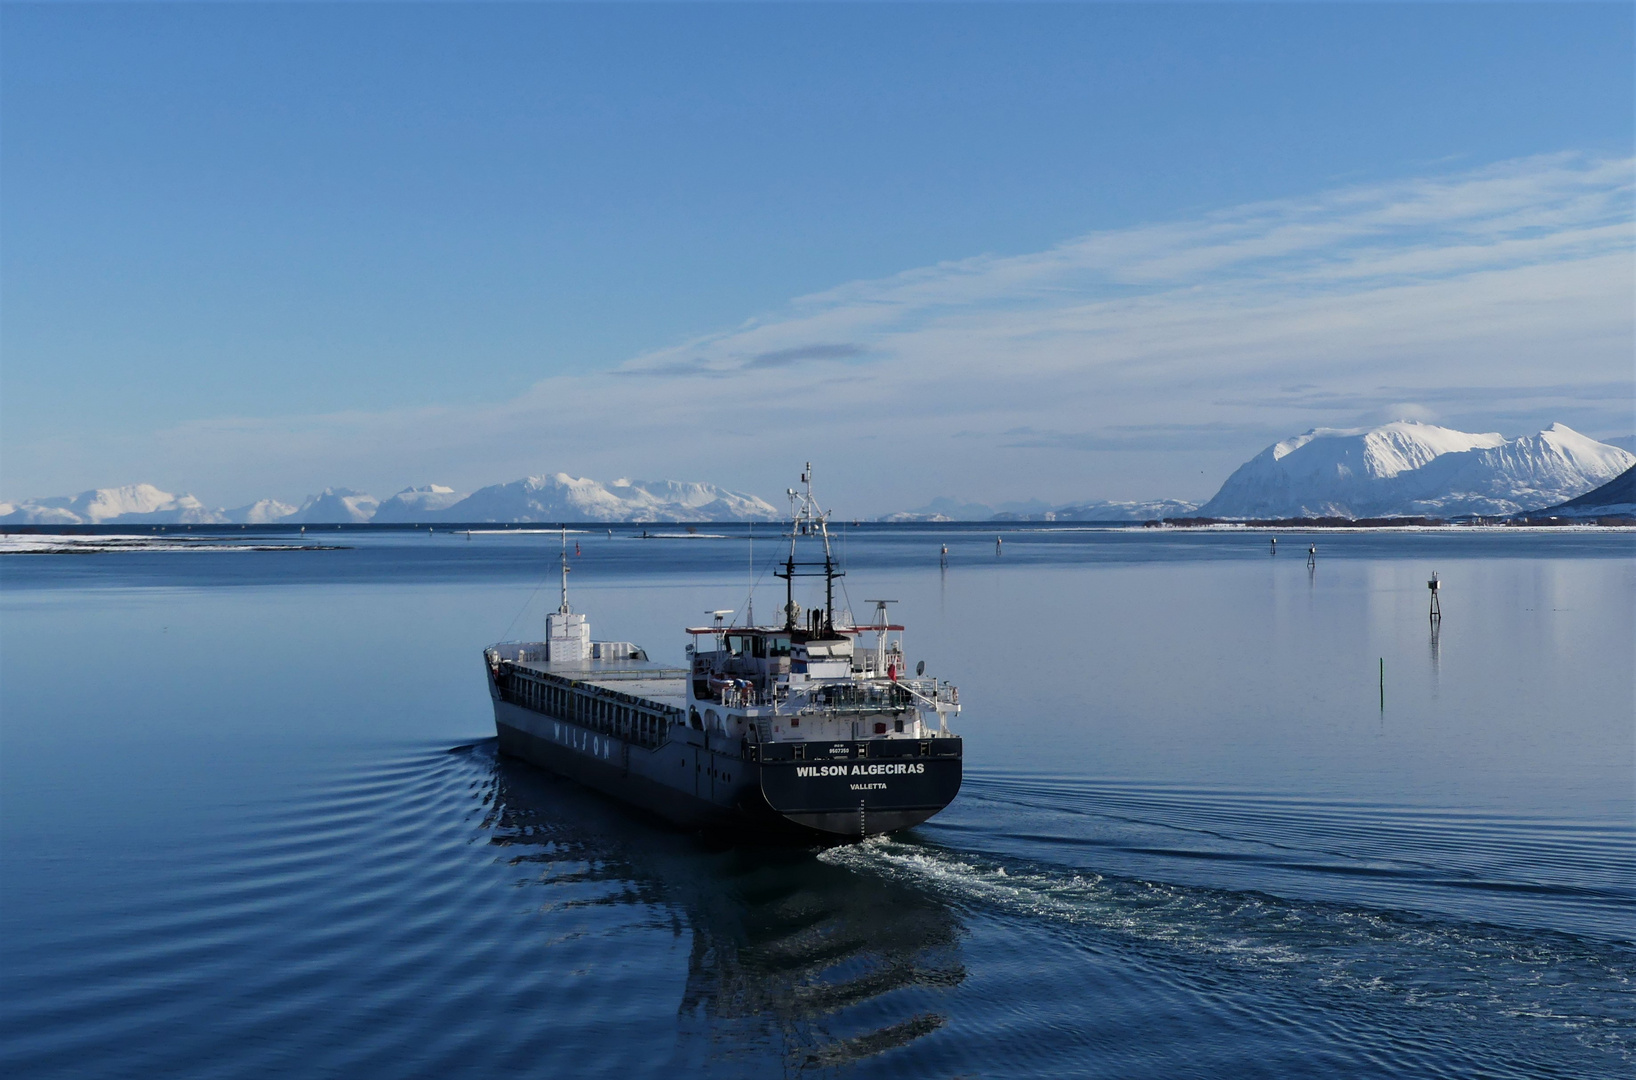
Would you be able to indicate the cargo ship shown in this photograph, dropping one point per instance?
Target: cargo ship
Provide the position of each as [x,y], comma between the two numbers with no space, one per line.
[811,727]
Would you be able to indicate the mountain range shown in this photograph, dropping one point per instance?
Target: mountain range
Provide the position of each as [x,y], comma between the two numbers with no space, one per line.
[1401,469]
[1398,469]
[947,509]
[1413,469]
[558,497]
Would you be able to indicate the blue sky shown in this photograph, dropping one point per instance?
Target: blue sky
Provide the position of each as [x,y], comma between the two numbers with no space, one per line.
[1067,252]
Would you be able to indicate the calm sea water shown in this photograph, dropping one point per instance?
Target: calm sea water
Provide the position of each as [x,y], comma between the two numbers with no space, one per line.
[254,823]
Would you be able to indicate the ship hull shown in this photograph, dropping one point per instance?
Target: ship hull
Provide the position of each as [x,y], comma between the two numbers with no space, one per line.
[684,783]
[838,791]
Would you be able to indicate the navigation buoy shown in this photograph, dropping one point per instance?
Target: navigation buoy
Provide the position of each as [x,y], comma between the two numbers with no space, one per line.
[1436,606]
[1312,556]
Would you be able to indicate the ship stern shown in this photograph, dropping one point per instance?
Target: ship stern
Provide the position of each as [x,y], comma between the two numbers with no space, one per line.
[854,789]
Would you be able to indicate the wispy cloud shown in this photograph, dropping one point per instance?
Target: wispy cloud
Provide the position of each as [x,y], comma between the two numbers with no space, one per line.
[800,353]
[722,366]
[1504,291]
[1306,269]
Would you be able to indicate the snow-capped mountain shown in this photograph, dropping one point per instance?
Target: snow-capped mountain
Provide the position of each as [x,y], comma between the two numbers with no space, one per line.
[946,509]
[943,508]
[337,506]
[417,503]
[1616,498]
[1105,510]
[1410,468]
[138,503]
[560,497]
[261,512]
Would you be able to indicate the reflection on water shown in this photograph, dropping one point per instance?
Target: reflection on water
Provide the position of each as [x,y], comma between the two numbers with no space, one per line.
[819,963]
[1436,660]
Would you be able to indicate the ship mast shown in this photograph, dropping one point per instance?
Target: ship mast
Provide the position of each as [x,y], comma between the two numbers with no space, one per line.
[562,609]
[806,519]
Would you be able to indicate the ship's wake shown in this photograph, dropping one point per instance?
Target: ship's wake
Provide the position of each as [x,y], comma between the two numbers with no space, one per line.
[1536,992]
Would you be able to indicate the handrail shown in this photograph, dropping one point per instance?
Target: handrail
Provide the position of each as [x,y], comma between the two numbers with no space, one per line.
[930,701]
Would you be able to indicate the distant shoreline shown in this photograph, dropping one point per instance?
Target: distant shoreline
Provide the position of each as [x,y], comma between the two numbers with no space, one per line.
[635,530]
[1518,521]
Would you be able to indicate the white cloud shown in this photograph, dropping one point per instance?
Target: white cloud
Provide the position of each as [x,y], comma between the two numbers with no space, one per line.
[1463,296]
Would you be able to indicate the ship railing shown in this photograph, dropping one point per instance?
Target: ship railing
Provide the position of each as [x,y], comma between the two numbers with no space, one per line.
[897,696]
[521,652]
[738,698]
[932,691]
[851,697]
[868,662]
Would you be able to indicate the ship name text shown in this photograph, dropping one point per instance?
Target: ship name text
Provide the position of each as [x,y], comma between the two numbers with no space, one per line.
[886,769]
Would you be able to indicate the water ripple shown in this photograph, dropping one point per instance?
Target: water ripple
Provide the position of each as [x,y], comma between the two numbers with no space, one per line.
[444,913]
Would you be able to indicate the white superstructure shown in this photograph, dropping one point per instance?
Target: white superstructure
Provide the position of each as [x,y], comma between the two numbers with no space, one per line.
[812,678]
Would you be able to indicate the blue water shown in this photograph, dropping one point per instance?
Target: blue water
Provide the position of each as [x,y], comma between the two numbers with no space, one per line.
[254,823]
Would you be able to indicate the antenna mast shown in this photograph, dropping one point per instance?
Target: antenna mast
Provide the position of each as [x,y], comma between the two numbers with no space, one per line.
[806,519]
[563,607]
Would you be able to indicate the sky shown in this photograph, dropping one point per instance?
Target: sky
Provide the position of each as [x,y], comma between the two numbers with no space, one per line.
[998,252]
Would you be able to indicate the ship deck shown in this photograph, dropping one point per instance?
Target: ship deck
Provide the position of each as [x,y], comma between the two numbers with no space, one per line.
[644,679]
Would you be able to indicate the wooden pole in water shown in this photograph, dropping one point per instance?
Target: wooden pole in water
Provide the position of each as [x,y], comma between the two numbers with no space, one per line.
[1383,684]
